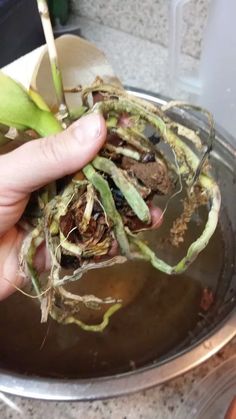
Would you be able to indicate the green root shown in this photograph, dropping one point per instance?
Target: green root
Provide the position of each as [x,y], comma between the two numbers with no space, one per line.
[190,167]
[88,327]
[101,185]
[130,193]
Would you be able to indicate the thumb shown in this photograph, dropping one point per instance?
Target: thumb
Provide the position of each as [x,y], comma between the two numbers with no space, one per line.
[39,162]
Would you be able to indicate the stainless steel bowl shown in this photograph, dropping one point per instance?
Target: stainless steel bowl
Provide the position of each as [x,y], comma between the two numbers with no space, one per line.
[210,335]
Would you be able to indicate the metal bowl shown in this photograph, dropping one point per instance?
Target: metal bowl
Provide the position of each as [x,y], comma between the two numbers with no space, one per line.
[209,335]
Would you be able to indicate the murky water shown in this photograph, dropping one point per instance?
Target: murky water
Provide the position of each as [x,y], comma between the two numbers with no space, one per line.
[158,314]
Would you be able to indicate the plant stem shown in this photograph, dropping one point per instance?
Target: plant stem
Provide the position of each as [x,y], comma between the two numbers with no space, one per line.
[53,57]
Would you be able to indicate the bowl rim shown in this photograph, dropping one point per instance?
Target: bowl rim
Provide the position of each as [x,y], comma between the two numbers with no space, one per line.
[129,382]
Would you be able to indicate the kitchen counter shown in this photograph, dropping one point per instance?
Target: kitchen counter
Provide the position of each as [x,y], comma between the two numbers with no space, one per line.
[160,402]
[143,64]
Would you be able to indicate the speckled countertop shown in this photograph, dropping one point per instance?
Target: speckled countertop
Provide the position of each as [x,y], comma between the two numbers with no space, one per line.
[143,64]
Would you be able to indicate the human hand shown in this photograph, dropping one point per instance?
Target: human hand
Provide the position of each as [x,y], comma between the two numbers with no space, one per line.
[30,167]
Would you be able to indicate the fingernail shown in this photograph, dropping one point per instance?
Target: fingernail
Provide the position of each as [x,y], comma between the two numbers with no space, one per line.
[87,128]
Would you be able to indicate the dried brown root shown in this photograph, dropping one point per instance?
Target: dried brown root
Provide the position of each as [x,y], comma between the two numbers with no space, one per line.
[196,199]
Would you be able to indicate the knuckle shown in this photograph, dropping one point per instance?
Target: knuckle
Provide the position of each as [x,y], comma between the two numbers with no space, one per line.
[52,149]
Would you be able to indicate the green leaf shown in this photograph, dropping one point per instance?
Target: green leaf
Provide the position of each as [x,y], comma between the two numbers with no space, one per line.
[38,100]
[18,110]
